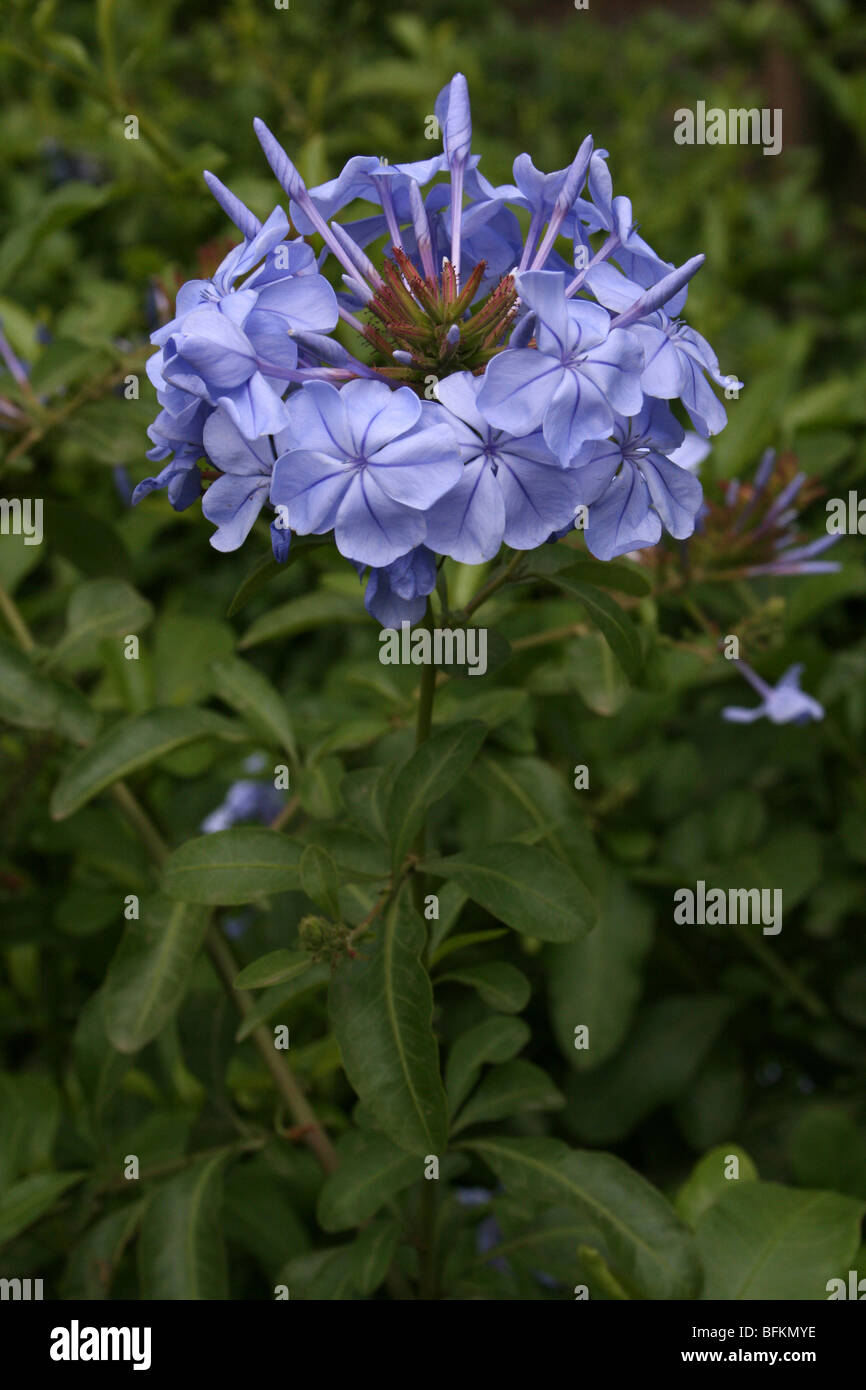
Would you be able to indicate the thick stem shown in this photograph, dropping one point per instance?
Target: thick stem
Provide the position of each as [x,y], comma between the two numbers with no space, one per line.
[283,1077]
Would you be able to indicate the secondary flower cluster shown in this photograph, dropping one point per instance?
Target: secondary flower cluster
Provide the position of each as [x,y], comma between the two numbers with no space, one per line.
[500,385]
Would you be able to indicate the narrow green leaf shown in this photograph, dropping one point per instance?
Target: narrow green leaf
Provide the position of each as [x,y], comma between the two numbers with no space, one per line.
[130,745]
[232,866]
[497,1039]
[381,1007]
[617,629]
[256,700]
[25,1201]
[265,570]
[431,772]
[549,562]
[273,969]
[364,1182]
[464,939]
[523,886]
[499,983]
[511,1089]
[644,1243]
[150,971]
[372,1253]
[276,998]
[181,1254]
[312,611]
[320,880]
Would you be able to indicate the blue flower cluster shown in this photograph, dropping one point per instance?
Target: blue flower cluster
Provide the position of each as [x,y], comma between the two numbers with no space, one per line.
[509,379]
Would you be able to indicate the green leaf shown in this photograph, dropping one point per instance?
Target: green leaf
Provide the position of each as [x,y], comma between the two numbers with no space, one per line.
[524,887]
[276,998]
[381,1006]
[372,1253]
[150,971]
[764,1241]
[497,1039]
[30,1106]
[430,773]
[52,211]
[98,609]
[88,540]
[232,866]
[617,629]
[265,570]
[364,1182]
[624,578]
[310,612]
[34,701]
[499,983]
[463,940]
[273,969]
[708,1180]
[642,1240]
[181,1254]
[512,1089]
[256,700]
[663,1051]
[32,1197]
[596,982]
[94,1260]
[130,745]
[185,649]
[828,1150]
[320,881]
[598,677]
[99,1068]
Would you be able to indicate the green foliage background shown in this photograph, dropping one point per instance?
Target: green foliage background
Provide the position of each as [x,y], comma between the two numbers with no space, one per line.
[601,1167]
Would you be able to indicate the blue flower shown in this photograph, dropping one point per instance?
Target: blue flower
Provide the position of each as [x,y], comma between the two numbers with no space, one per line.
[233,346]
[785,703]
[397,593]
[550,368]
[512,488]
[244,800]
[371,465]
[235,499]
[633,488]
[572,384]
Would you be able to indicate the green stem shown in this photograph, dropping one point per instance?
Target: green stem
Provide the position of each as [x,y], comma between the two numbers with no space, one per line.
[485,592]
[423,726]
[17,625]
[140,822]
[287,1084]
[807,997]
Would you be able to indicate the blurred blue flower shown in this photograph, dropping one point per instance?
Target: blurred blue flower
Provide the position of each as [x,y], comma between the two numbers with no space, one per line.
[784,703]
[245,800]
